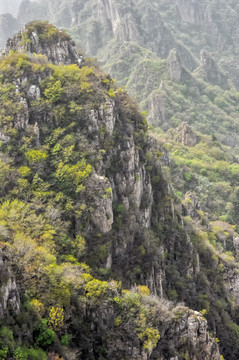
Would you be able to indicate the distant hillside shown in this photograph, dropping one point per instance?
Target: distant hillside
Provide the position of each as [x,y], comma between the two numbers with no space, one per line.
[9,6]
[8,27]
[134,39]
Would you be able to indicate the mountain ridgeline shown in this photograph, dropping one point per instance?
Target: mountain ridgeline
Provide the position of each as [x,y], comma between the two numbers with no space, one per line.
[146,47]
[175,77]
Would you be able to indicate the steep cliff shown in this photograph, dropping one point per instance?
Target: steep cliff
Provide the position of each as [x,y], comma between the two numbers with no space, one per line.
[82,187]
[10,301]
[42,38]
[136,57]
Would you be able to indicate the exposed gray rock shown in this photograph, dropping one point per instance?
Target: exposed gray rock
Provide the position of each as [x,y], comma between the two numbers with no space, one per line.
[174,66]
[190,11]
[183,332]
[58,52]
[128,175]
[156,277]
[3,137]
[211,71]
[9,296]
[34,92]
[102,213]
[236,244]
[186,136]
[190,205]
[157,109]
[108,11]
[36,131]
[231,281]
[102,120]
[108,19]
[192,329]
[108,116]
[22,118]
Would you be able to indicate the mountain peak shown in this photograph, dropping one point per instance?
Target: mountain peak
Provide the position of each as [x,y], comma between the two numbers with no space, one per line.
[174,65]
[212,72]
[40,37]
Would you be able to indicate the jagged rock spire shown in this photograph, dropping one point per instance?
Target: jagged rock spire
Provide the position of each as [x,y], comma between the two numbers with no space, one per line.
[186,135]
[174,66]
[212,72]
[40,37]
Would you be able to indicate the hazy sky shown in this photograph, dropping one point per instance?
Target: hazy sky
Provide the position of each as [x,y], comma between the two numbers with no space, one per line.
[9,6]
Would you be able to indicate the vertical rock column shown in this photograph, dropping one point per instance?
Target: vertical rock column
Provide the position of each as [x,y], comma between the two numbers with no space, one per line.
[9,296]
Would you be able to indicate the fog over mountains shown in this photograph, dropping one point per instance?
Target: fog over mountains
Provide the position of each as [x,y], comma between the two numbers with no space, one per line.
[9,6]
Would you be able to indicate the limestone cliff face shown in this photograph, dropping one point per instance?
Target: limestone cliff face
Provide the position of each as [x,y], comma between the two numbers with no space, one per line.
[212,18]
[186,136]
[212,73]
[174,66]
[61,50]
[9,296]
[123,175]
[191,330]
[184,333]
[190,11]
[110,20]
[157,105]
[156,26]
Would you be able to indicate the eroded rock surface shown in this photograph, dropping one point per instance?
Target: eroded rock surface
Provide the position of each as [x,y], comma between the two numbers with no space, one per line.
[9,296]
[174,65]
[60,51]
[212,72]
[186,135]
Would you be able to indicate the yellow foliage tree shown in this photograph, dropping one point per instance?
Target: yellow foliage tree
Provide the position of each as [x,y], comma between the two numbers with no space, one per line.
[143,290]
[56,318]
[38,307]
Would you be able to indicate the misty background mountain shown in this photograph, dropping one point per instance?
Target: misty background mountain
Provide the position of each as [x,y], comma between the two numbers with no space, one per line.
[9,6]
[8,20]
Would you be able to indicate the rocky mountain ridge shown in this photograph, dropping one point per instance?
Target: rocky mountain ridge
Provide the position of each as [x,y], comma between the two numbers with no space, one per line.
[57,47]
[178,79]
[138,60]
[77,162]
